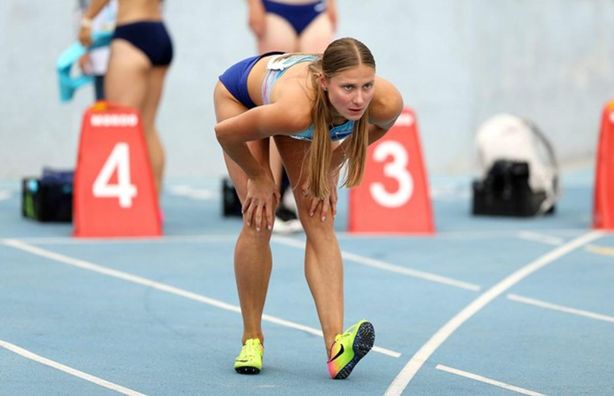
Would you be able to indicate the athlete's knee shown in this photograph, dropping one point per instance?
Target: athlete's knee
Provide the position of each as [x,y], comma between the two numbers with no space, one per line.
[316,228]
[261,237]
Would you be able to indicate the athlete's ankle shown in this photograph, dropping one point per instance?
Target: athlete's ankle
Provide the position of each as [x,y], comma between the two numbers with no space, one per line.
[330,344]
[251,337]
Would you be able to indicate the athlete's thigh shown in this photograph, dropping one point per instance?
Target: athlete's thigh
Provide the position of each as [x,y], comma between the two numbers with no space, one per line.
[155,84]
[294,156]
[278,36]
[317,35]
[127,75]
[226,106]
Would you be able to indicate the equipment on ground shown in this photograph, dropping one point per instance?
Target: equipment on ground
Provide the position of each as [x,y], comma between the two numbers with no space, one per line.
[48,198]
[520,171]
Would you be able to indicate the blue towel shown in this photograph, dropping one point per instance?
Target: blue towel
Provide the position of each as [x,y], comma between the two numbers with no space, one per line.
[68,83]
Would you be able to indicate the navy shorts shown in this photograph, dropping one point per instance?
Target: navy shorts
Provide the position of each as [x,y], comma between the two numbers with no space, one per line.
[297,15]
[151,37]
[235,78]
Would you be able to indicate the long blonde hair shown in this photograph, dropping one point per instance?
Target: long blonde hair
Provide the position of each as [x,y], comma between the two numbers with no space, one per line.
[340,55]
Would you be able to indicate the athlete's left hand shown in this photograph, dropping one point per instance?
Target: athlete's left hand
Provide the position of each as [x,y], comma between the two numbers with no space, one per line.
[327,204]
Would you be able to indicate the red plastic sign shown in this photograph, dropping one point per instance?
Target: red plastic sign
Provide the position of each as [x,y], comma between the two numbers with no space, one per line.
[394,195]
[603,202]
[114,193]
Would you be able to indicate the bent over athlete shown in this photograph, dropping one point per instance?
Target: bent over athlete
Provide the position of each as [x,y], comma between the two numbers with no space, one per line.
[290,26]
[322,111]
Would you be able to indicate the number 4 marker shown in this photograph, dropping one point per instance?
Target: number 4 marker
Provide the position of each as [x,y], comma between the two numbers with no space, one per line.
[124,190]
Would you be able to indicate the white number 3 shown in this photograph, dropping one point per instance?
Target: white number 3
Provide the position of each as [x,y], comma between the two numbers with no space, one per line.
[124,190]
[396,169]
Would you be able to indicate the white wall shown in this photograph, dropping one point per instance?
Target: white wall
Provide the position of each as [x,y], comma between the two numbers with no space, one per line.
[456,62]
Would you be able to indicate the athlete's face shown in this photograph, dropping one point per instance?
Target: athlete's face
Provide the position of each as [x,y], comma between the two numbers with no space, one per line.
[350,91]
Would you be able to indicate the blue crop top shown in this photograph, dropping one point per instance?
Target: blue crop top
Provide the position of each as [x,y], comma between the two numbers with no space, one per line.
[276,68]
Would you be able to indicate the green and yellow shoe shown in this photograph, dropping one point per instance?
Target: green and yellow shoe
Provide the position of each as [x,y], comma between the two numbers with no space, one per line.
[249,360]
[349,348]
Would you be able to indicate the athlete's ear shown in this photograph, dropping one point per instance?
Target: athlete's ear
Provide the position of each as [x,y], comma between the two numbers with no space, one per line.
[323,82]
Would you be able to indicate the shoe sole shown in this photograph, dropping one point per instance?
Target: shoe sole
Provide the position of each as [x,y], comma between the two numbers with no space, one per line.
[247,370]
[363,343]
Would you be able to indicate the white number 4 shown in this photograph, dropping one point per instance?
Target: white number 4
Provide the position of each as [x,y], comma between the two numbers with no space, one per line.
[123,190]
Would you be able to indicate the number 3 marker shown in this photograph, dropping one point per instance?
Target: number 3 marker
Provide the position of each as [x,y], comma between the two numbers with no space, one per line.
[396,169]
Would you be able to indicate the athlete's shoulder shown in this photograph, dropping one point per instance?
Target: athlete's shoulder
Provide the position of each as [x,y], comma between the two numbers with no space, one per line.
[387,102]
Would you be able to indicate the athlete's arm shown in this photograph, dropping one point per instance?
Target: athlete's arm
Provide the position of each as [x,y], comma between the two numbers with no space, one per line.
[233,134]
[85,30]
[282,117]
[257,123]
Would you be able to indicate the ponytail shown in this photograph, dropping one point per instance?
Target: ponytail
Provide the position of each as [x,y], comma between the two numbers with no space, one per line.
[320,150]
[357,153]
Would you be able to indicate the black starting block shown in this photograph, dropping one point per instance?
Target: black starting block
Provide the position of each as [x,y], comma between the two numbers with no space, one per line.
[505,191]
[48,198]
[231,205]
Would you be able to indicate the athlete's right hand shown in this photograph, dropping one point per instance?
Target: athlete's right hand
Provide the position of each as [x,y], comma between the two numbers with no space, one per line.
[326,203]
[260,202]
[85,36]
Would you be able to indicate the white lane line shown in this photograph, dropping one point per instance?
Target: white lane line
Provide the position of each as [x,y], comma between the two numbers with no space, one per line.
[128,240]
[69,370]
[369,262]
[487,380]
[199,194]
[541,238]
[466,235]
[166,288]
[602,250]
[408,372]
[560,308]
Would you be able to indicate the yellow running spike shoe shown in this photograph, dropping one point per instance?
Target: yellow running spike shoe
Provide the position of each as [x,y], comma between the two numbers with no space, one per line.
[249,360]
[349,348]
